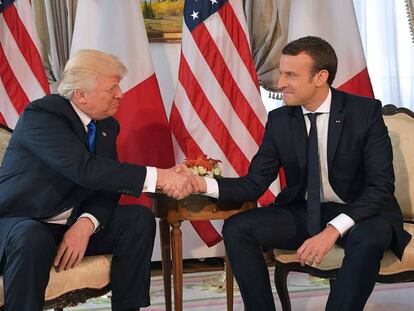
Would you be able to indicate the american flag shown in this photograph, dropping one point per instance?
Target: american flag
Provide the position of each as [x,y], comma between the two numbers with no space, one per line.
[22,76]
[217,110]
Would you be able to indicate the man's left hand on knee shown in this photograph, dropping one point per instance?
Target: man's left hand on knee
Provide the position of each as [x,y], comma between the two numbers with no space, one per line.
[73,246]
[314,249]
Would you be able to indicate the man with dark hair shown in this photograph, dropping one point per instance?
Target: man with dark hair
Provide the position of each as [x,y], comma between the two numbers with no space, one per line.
[322,53]
[337,157]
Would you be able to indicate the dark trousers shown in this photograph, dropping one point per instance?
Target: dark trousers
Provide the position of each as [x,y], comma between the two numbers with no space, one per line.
[31,247]
[247,234]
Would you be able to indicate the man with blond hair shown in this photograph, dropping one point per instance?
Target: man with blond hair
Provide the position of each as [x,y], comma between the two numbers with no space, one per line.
[60,183]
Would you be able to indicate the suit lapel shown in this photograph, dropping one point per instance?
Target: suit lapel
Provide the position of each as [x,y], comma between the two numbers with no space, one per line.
[102,138]
[76,123]
[299,133]
[336,122]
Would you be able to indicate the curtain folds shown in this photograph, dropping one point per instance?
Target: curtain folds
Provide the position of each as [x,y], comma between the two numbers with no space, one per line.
[268,22]
[409,4]
[388,49]
[54,22]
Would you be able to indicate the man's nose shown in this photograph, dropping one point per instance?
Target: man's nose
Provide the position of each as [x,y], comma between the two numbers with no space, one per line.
[118,93]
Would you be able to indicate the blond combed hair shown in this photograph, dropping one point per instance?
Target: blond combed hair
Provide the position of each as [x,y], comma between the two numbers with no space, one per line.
[84,67]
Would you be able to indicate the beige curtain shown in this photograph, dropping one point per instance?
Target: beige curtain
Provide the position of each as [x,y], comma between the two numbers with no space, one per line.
[54,22]
[268,22]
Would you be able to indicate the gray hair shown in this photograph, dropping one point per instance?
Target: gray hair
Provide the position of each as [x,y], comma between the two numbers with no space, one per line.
[84,67]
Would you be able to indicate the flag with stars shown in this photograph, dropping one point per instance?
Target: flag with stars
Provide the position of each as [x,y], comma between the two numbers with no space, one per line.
[22,76]
[217,110]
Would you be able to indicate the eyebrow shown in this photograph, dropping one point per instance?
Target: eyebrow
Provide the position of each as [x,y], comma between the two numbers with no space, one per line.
[288,72]
[111,88]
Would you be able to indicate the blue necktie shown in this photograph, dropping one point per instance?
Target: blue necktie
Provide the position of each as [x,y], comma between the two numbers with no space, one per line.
[314,179]
[92,136]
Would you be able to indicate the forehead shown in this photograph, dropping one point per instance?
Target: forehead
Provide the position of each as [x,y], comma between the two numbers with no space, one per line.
[105,81]
[295,63]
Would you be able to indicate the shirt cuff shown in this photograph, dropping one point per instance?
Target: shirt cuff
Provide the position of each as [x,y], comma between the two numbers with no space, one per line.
[342,223]
[92,218]
[212,187]
[150,182]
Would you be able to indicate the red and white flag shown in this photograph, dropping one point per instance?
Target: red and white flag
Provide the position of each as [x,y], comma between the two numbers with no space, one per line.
[335,22]
[117,28]
[22,76]
[217,110]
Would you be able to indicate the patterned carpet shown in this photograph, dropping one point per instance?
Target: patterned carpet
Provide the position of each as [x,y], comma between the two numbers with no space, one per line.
[307,293]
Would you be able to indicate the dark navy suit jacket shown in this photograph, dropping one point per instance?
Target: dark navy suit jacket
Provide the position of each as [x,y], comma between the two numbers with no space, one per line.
[48,169]
[359,162]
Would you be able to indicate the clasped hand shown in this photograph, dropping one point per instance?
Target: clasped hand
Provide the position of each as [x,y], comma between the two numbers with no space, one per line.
[179,182]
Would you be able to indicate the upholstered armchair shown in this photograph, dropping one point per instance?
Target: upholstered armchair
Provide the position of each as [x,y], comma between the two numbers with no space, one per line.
[68,288]
[400,123]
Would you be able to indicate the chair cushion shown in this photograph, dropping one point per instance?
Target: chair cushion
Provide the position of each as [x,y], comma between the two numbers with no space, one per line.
[92,272]
[390,264]
[400,128]
[4,141]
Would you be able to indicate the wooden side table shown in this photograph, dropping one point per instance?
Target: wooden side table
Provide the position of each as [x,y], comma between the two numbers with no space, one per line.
[171,213]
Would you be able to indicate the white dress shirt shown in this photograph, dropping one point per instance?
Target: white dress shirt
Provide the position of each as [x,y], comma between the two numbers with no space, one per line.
[149,183]
[342,222]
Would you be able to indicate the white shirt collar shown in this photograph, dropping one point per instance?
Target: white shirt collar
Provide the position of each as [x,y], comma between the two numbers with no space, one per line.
[324,108]
[82,116]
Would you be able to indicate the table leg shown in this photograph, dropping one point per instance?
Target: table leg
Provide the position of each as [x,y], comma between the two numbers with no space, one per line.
[229,283]
[166,260]
[177,258]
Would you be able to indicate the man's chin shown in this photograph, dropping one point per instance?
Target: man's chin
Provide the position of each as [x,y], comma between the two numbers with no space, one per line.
[290,103]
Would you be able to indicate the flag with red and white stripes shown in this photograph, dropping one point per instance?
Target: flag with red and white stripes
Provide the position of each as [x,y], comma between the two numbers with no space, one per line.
[334,21]
[22,76]
[118,28]
[217,110]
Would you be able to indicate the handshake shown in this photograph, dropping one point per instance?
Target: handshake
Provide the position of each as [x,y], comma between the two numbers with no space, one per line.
[179,182]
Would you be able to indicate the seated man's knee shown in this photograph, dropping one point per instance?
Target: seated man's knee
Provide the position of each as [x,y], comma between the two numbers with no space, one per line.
[371,246]
[141,218]
[233,227]
[367,244]
[31,237]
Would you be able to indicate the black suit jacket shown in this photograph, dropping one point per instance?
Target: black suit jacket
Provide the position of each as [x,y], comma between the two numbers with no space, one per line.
[359,161]
[48,169]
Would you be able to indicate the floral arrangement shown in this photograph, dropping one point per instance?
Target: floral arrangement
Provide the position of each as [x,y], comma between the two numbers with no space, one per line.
[204,166]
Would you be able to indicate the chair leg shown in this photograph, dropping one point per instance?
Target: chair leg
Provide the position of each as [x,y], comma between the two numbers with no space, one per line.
[166,261]
[229,283]
[281,273]
[331,283]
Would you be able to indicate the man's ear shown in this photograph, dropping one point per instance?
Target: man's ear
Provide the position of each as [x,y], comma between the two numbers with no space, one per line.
[79,97]
[322,77]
